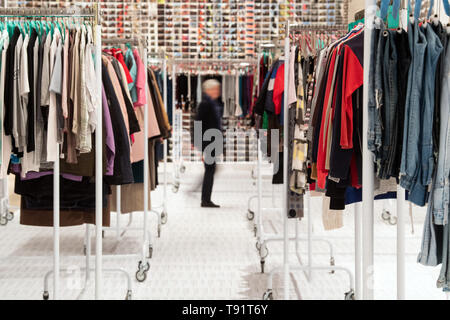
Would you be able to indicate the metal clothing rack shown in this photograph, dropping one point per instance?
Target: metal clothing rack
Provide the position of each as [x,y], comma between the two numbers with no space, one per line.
[287,266]
[367,223]
[93,15]
[250,213]
[264,238]
[225,67]
[6,210]
[163,215]
[147,246]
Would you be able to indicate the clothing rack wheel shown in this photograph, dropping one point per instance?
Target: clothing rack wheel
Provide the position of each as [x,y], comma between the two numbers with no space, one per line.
[250,215]
[268,295]
[45,295]
[175,187]
[141,276]
[350,295]
[263,251]
[263,262]
[129,295]
[10,216]
[3,221]
[164,217]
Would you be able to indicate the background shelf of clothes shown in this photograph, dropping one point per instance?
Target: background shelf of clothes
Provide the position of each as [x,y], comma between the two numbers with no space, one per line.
[409,125]
[48,89]
[238,92]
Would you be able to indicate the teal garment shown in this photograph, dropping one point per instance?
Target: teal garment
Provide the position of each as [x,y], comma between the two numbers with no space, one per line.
[131,64]
[393,23]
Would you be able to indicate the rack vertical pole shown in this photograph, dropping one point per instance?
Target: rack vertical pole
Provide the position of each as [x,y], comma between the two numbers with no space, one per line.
[98,162]
[118,210]
[368,167]
[401,277]
[56,227]
[401,218]
[165,140]
[175,130]
[146,165]
[358,250]
[285,165]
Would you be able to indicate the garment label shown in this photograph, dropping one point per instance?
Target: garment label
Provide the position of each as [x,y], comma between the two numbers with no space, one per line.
[271,85]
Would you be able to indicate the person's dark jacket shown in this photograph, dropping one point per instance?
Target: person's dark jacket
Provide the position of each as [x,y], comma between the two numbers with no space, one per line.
[209,113]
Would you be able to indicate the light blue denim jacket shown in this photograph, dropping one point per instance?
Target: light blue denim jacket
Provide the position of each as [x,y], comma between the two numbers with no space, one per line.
[435,244]
[440,198]
[411,160]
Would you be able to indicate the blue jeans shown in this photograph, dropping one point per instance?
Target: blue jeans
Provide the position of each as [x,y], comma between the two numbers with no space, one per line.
[375,132]
[390,109]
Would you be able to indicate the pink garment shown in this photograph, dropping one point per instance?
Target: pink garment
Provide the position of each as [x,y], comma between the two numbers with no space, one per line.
[140,80]
[137,150]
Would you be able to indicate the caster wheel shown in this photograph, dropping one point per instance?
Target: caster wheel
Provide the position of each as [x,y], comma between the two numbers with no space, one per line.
[268,295]
[159,231]
[393,221]
[255,230]
[3,221]
[250,215]
[175,189]
[145,268]
[350,295]
[164,217]
[141,276]
[45,295]
[263,252]
[332,263]
[182,169]
[386,215]
[129,295]
[10,216]
[262,266]
[150,252]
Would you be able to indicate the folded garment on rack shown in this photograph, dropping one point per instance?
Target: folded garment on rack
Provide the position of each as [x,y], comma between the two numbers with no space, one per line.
[40,192]
[131,200]
[68,218]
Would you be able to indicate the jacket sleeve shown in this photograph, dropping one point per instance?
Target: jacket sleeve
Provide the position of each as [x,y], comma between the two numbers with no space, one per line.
[353,78]
[260,102]
[201,112]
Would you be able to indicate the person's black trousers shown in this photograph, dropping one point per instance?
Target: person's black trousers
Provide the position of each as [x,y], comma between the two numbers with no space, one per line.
[208,182]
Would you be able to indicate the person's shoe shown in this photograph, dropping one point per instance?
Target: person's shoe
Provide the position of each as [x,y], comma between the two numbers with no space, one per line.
[209,205]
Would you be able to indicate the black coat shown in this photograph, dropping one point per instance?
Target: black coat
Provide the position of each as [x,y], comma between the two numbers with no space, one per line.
[209,113]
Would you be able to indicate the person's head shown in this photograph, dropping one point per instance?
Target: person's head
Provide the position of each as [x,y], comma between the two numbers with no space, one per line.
[212,89]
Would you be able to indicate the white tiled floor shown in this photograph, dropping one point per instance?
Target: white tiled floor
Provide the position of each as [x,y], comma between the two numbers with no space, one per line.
[208,254]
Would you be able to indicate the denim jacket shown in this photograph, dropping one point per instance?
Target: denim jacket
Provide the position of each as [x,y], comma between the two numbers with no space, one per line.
[441,186]
[411,158]
[419,171]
